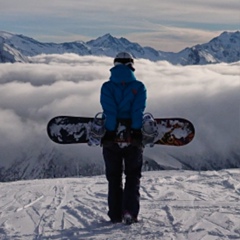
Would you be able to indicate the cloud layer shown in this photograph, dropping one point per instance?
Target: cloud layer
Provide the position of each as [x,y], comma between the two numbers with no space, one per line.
[31,94]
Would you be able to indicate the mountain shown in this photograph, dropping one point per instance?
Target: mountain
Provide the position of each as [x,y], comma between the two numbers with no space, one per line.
[224,48]
[52,163]
[8,52]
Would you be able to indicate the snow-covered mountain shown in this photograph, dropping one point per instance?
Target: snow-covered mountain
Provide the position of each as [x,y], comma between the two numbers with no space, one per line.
[52,163]
[8,52]
[224,48]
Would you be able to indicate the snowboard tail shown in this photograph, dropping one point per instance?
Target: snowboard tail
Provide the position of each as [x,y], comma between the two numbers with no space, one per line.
[71,130]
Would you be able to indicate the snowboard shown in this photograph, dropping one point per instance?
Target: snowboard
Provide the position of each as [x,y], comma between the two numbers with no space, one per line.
[170,131]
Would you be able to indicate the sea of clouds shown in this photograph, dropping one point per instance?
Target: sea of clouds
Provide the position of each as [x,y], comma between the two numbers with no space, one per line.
[31,94]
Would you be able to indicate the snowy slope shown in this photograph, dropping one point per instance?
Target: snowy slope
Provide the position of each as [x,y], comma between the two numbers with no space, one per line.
[178,205]
[224,48]
[30,47]
[8,53]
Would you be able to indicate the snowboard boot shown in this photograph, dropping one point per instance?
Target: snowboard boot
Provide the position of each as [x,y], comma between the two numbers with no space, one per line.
[149,129]
[97,130]
[128,219]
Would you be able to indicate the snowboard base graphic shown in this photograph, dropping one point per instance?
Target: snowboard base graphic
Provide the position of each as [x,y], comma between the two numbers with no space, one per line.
[70,130]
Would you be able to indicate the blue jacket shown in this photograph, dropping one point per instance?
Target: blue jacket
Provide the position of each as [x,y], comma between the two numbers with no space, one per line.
[123,96]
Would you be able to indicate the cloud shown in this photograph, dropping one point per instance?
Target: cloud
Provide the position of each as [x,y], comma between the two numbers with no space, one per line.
[31,94]
[134,8]
[78,20]
[158,37]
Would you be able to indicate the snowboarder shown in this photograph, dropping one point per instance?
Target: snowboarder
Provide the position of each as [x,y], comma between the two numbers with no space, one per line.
[123,97]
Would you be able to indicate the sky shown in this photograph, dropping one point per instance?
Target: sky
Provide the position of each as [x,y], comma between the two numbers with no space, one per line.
[68,84]
[167,25]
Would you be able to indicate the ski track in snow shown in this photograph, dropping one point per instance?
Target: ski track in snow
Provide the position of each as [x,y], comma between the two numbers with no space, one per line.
[174,205]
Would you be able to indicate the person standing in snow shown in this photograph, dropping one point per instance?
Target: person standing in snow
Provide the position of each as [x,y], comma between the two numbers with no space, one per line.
[123,97]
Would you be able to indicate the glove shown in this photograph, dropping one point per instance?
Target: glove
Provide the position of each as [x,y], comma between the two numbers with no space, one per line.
[136,137]
[108,138]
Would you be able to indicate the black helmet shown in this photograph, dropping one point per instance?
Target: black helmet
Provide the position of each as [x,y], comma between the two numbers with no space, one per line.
[124,58]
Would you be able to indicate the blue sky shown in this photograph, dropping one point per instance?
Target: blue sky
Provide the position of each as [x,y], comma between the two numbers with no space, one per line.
[168,25]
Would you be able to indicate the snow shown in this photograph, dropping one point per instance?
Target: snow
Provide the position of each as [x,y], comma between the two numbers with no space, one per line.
[174,205]
[223,48]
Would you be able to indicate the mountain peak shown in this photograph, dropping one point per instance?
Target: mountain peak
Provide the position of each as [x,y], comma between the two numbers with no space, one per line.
[227,37]
[226,33]
[6,35]
[106,38]
[107,35]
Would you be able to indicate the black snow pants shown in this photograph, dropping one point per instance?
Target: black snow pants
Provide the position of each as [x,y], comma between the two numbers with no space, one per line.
[123,199]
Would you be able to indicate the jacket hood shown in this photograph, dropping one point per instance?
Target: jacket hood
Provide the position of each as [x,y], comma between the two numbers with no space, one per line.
[122,74]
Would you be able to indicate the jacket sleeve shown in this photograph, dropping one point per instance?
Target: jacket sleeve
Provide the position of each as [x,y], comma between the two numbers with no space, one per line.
[139,106]
[109,106]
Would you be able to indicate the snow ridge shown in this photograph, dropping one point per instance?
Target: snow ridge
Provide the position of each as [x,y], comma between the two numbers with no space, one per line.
[223,48]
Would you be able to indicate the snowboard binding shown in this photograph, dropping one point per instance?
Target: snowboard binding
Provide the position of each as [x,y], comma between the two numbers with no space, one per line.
[97,129]
[149,130]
